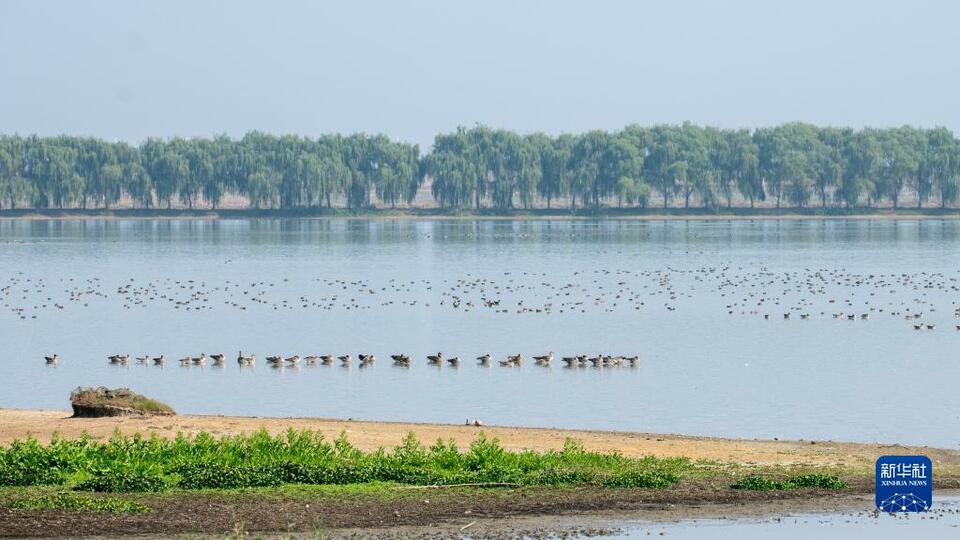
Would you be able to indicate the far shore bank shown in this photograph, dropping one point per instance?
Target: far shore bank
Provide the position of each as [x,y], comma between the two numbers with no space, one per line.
[370,435]
[650,214]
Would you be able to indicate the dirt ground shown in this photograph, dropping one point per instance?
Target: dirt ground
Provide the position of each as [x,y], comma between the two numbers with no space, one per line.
[497,513]
[17,424]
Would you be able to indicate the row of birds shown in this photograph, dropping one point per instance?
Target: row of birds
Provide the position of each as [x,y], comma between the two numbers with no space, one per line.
[402,360]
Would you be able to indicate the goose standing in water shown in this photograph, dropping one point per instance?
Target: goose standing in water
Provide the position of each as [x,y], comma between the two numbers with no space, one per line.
[435,359]
[400,360]
[311,360]
[246,360]
[120,359]
[633,360]
[142,360]
[217,358]
[517,359]
[274,360]
[484,360]
[366,359]
[544,360]
[158,360]
[295,359]
[51,360]
[454,361]
[199,360]
[344,360]
[326,359]
[570,361]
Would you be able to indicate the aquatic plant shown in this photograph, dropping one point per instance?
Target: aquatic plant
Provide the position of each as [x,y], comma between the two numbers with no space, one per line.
[67,501]
[817,481]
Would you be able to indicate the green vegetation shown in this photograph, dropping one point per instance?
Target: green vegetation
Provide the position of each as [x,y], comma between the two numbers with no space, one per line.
[481,168]
[88,401]
[67,501]
[818,481]
[137,464]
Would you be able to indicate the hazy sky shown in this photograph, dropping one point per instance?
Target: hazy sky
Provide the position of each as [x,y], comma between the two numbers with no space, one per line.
[131,69]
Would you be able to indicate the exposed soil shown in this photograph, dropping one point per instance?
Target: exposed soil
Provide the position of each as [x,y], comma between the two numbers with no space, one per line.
[433,511]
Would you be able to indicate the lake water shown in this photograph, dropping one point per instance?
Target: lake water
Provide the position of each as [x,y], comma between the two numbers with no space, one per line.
[688,297]
[941,522]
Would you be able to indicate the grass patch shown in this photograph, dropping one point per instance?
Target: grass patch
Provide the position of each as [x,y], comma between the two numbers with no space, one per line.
[67,501]
[201,461]
[105,402]
[816,481]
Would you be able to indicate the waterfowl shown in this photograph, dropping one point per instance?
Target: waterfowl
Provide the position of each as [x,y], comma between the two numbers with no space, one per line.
[293,359]
[274,359]
[246,360]
[158,360]
[218,358]
[633,360]
[401,360]
[545,359]
[435,359]
[345,359]
[454,360]
[199,360]
[570,360]
[484,360]
[51,359]
[326,359]
[366,359]
[143,359]
[311,360]
[516,359]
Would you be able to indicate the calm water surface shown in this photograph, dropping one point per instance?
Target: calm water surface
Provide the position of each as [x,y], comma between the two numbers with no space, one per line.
[688,297]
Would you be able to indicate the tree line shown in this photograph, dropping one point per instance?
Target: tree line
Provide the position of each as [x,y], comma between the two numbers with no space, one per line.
[796,165]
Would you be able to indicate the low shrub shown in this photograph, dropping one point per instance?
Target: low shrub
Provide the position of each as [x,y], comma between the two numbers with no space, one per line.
[202,461]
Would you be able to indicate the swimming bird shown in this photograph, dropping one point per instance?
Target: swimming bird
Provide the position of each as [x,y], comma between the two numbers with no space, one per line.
[217,358]
[199,360]
[311,360]
[158,360]
[293,359]
[246,360]
[435,359]
[51,359]
[516,359]
[345,359]
[366,359]
[401,360]
[143,359]
[274,360]
[484,360]
[326,359]
[454,360]
[633,360]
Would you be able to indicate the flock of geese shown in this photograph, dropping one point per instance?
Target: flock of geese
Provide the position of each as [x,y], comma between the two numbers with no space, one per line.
[365,360]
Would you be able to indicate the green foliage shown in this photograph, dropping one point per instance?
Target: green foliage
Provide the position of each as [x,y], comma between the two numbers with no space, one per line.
[482,167]
[137,464]
[817,481]
[67,501]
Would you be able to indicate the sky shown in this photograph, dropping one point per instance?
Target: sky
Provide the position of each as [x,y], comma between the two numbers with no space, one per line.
[128,70]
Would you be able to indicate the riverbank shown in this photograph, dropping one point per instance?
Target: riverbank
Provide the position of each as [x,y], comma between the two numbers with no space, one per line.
[652,214]
[369,435]
[390,510]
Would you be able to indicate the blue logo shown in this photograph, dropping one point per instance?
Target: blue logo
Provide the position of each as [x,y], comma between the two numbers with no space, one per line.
[904,484]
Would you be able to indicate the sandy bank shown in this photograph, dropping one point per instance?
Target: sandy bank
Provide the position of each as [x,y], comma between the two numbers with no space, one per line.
[17,424]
